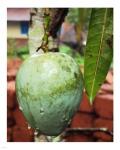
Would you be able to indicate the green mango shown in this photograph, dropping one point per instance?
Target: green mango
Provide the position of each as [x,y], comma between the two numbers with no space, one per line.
[49,89]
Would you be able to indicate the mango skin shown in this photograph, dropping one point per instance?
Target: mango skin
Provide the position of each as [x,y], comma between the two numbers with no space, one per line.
[49,89]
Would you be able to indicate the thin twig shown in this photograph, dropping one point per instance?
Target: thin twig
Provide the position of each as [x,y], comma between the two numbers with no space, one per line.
[69,131]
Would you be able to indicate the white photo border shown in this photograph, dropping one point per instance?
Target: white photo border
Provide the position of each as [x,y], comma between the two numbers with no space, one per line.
[3,72]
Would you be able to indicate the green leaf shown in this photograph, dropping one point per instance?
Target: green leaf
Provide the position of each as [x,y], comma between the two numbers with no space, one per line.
[99,50]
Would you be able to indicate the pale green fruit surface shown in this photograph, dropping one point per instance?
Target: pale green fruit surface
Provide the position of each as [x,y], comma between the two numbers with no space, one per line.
[49,90]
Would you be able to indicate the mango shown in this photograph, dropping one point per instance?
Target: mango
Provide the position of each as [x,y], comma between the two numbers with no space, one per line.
[49,89]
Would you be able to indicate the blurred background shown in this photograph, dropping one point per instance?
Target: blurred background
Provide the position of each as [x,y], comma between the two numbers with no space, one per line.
[71,39]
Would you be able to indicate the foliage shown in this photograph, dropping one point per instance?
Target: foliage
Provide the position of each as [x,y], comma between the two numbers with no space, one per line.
[79,16]
[15,51]
[98,54]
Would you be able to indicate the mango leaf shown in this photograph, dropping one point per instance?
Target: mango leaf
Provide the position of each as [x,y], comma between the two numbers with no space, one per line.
[99,50]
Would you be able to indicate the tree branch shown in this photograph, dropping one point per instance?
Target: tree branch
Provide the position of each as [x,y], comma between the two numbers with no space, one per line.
[57,18]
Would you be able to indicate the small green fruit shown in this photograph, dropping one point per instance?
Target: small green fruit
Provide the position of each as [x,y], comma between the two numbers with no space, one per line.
[49,89]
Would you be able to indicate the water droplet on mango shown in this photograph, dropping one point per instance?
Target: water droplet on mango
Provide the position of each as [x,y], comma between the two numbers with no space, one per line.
[29,127]
[41,111]
[20,108]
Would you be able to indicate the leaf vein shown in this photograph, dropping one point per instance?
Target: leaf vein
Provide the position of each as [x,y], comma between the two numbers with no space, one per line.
[100,50]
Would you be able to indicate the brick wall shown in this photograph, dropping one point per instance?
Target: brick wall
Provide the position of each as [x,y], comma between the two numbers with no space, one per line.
[97,116]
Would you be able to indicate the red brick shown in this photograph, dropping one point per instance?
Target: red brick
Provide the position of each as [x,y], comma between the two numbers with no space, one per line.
[11,95]
[103,106]
[85,105]
[103,137]
[107,88]
[19,118]
[13,63]
[109,77]
[79,138]
[103,123]
[10,118]
[9,134]
[22,134]
[11,74]
[82,120]
[99,140]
